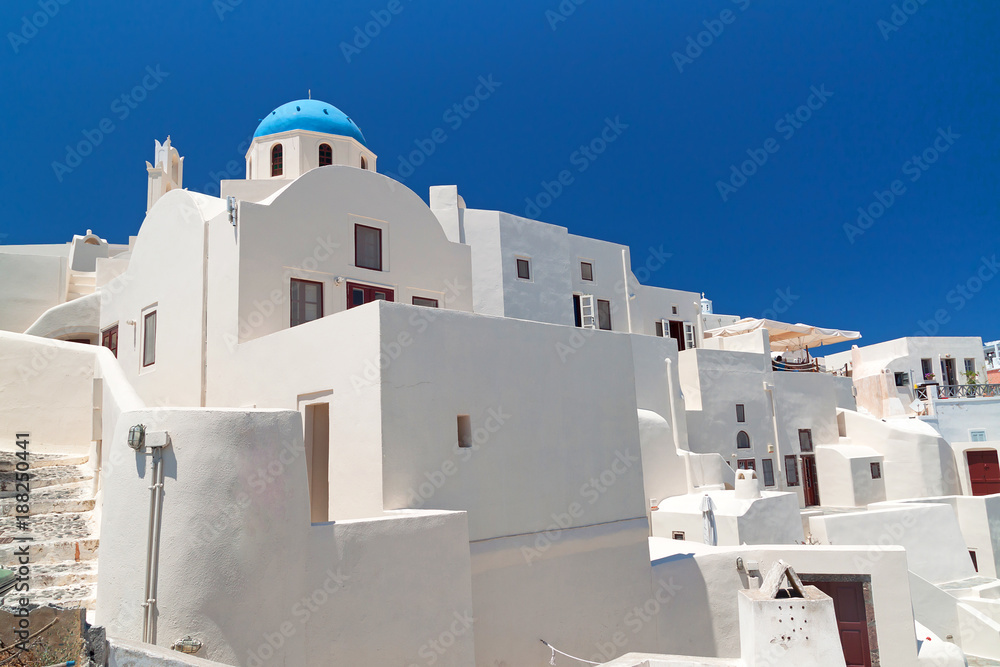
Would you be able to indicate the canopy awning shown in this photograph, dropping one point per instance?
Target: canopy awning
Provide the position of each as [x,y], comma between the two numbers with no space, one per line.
[786,337]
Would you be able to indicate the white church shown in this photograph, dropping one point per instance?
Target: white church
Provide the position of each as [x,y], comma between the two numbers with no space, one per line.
[318,421]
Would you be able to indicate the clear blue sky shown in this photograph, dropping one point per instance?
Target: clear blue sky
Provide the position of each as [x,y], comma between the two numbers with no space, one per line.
[656,184]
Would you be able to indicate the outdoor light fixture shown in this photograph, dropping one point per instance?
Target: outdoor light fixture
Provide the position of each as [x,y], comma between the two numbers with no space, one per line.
[187,645]
[137,437]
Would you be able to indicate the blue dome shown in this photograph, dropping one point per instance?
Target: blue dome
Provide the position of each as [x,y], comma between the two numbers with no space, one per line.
[312,115]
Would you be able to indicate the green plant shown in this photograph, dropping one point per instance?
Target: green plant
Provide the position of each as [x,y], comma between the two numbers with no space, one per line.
[971,377]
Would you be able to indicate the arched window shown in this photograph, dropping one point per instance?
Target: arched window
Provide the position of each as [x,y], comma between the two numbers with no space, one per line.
[742,440]
[277,161]
[325,155]
[364,162]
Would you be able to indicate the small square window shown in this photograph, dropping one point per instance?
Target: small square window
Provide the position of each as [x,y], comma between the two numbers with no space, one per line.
[677,535]
[876,470]
[604,314]
[368,247]
[523,269]
[902,379]
[587,271]
[978,435]
[741,414]
[426,303]
[673,310]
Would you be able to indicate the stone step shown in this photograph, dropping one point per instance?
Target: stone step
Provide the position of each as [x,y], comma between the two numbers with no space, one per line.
[66,573]
[73,596]
[50,494]
[8,506]
[44,477]
[51,551]
[8,460]
[42,527]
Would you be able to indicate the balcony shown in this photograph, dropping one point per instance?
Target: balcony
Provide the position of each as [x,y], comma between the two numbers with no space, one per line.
[944,391]
[811,366]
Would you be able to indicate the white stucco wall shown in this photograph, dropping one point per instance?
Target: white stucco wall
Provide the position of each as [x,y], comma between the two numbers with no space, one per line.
[32,284]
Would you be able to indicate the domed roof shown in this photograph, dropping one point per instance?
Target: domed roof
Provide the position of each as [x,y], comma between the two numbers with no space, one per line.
[312,115]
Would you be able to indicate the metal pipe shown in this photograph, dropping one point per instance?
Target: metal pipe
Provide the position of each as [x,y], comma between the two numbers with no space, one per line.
[688,473]
[151,608]
[628,306]
[149,551]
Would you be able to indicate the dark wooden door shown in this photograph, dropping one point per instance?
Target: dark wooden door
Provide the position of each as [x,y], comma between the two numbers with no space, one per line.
[852,620]
[677,333]
[810,482]
[984,472]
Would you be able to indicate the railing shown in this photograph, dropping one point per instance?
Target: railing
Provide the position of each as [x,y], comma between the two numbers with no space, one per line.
[960,391]
[801,367]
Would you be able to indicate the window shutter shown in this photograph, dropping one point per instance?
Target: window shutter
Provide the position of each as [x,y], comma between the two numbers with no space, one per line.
[587,313]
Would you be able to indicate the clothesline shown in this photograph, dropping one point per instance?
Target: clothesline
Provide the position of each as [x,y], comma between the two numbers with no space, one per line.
[555,650]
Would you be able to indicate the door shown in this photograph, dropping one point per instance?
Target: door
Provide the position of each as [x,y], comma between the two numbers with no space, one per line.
[358,295]
[984,472]
[948,372]
[317,441]
[677,333]
[852,619]
[810,482]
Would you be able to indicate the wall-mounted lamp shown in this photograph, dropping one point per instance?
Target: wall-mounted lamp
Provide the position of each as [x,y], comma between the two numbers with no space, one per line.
[338,280]
[187,645]
[137,437]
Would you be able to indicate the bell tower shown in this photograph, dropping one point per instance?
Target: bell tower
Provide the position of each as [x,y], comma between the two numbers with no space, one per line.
[167,175]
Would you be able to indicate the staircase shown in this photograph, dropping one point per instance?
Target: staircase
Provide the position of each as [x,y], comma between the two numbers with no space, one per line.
[80,283]
[63,550]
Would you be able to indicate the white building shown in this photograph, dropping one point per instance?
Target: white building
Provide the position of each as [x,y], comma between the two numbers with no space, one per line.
[377,431]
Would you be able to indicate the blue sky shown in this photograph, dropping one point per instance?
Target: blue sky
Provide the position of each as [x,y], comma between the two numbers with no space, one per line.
[694,89]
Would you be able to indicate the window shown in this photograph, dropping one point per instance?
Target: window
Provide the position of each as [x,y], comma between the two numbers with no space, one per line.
[975,562]
[805,440]
[970,365]
[902,379]
[791,471]
[523,269]
[364,162]
[673,310]
[426,303]
[109,339]
[741,413]
[689,336]
[926,369]
[977,436]
[358,295]
[277,161]
[368,247]
[742,440]
[767,466]
[464,431]
[876,470]
[677,535]
[577,311]
[149,339]
[659,328]
[746,464]
[325,155]
[604,314]
[307,301]
[587,271]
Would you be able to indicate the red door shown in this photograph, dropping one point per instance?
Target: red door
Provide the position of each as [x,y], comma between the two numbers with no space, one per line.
[810,483]
[852,621]
[358,295]
[984,472]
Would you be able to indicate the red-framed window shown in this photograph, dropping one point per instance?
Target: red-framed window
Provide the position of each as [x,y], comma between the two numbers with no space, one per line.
[277,160]
[306,301]
[359,295]
[368,247]
[427,303]
[325,155]
[109,339]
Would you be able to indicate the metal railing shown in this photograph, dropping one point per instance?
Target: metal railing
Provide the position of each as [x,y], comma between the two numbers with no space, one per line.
[960,391]
[805,366]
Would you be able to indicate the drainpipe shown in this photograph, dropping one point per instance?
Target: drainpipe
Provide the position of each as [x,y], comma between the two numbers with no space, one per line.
[688,473]
[769,388]
[628,305]
[155,442]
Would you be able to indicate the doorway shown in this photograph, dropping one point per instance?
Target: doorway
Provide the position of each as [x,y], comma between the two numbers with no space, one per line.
[810,480]
[984,472]
[317,445]
[948,376]
[851,608]
[676,330]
